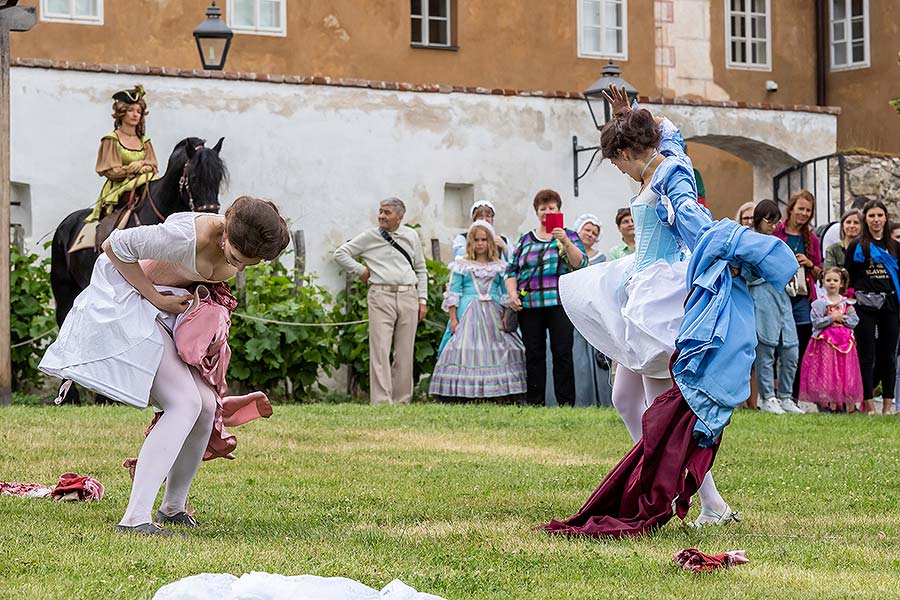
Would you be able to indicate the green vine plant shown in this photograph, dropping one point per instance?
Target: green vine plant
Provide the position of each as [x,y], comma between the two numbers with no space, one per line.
[32,318]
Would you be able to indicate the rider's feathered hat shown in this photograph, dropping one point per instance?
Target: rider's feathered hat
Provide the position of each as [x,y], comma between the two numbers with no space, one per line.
[131,96]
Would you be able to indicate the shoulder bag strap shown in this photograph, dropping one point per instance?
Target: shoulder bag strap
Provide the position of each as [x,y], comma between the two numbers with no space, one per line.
[390,240]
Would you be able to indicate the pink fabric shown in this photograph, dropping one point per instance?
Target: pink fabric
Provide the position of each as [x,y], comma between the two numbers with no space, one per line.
[73,486]
[201,337]
[231,412]
[692,559]
[829,372]
[23,490]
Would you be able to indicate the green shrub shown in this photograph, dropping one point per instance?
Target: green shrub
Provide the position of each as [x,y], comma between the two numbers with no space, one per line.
[31,315]
[267,355]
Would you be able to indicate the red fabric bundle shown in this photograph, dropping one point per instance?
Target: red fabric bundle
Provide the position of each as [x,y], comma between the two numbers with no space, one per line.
[73,486]
[692,559]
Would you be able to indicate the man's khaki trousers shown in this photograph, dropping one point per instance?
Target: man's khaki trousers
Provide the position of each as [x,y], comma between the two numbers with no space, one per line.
[393,317]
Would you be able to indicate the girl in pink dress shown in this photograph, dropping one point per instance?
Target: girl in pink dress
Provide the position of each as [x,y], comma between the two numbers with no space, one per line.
[829,375]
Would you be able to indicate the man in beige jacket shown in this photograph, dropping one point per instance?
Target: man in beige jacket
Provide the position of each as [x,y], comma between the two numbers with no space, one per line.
[398,289]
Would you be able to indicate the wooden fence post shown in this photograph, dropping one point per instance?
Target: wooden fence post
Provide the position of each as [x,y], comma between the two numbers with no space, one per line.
[241,284]
[18,237]
[436,249]
[12,18]
[299,258]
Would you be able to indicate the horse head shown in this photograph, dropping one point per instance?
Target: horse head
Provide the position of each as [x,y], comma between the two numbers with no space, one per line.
[203,175]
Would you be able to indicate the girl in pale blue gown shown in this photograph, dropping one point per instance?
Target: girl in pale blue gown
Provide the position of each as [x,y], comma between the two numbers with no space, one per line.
[476,358]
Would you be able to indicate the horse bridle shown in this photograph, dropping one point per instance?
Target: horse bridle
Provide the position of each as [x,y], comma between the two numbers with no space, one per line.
[184,186]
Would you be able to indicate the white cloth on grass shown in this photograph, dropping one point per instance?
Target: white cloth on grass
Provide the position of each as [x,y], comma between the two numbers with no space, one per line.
[269,586]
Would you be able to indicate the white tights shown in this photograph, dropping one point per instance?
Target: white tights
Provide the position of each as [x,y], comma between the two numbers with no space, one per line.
[174,449]
[632,394]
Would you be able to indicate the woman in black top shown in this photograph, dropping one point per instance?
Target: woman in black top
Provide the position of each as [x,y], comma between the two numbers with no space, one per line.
[871,260]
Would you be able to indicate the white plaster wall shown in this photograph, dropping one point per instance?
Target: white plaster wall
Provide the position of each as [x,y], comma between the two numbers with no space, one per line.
[326,155]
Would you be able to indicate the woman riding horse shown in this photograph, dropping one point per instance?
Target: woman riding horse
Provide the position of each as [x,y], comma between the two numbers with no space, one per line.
[126,157]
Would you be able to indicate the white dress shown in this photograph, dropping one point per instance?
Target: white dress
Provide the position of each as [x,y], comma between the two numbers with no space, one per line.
[630,309]
[110,341]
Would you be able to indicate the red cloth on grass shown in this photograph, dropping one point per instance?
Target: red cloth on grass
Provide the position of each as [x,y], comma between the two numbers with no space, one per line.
[692,559]
[73,486]
[653,483]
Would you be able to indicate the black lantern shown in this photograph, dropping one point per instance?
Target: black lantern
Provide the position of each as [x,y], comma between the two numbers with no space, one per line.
[594,94]
[594,98]
[213,39]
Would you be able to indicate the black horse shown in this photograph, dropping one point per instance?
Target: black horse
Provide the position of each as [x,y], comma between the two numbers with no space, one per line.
[194,176]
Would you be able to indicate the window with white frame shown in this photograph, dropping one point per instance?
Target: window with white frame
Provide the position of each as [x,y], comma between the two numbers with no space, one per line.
[748,27]
[602,28]
[72,11]
[849,34]
[430,23]
[262,17]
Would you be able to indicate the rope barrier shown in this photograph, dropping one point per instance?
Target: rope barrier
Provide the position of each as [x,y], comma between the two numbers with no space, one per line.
[34,339]
[295,324]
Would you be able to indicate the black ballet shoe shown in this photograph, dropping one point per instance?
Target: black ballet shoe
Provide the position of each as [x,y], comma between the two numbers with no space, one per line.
[180,518]
[151,529]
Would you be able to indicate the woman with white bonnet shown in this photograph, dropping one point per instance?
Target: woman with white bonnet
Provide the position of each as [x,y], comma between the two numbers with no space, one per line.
[592,383]
[589,228]
[482,210]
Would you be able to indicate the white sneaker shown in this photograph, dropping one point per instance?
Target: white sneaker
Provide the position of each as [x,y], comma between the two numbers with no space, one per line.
[788,406]
[772,406]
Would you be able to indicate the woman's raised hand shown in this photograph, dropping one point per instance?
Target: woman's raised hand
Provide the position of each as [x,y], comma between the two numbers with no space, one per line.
[617,99]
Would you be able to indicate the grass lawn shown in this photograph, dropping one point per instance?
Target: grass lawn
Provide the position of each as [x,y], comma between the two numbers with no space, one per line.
[445,498]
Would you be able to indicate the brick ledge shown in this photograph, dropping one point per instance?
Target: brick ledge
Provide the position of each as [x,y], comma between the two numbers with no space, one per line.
[64,65]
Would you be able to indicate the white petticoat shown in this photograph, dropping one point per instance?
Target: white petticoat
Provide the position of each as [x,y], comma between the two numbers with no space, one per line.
[268,586]
[635,324]
[110,341]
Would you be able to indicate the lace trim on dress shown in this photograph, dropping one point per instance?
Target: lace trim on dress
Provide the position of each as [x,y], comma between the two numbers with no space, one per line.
[464,266]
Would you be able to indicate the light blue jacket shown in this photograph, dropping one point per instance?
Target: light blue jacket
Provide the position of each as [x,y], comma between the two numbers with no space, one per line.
[717,340]
[774,316]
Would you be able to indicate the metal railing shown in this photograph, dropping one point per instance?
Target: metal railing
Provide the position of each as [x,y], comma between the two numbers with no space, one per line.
[824,176]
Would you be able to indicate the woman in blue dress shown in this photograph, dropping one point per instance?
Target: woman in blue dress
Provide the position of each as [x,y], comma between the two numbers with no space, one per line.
[631,309]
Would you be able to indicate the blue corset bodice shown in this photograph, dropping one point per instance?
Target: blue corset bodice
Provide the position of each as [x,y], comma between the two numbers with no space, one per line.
[652,241]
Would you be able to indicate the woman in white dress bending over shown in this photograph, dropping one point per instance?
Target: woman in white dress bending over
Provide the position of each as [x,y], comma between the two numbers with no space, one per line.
[117,339]
[630,309]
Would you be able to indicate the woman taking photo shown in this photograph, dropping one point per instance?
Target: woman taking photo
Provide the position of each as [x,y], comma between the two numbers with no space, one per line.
[797,233]
[871,260]
[118,338]
[532,283]
[850,227]
[126,157]
[592,385]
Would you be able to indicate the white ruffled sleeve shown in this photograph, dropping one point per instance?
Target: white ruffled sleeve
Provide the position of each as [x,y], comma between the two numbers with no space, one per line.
[454,290]
[174,241]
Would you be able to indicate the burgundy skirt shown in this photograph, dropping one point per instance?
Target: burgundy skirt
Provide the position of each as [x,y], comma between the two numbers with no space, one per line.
[653,483]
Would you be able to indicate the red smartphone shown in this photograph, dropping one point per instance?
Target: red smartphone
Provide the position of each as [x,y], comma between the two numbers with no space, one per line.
[552,221]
